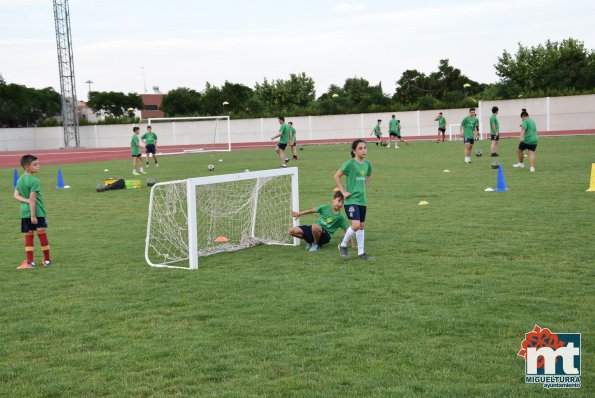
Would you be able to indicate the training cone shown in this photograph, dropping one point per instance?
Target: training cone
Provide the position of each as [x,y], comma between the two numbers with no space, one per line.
[501,185]
[15,178]
[60,183]
[591,185]
[221,239]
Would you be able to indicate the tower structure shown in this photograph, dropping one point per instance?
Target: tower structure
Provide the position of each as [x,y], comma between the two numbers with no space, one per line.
[66,68]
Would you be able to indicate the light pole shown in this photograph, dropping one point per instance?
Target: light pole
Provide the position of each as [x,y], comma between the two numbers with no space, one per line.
[144,80]
[89,83]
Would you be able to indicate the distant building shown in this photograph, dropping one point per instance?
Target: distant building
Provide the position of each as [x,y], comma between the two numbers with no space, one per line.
[84,112]
[152,106]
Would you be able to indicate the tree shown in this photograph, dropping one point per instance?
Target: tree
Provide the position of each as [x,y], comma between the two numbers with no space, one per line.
[113,103]
[237,96]
[182,101]
[22,106]
[549,66]
[283,96]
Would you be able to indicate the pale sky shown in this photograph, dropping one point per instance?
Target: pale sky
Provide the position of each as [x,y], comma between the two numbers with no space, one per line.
[129,45]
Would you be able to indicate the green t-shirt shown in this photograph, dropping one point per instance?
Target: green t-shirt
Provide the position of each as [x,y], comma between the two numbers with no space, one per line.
[26,184]
[392,125]
[355,175]
[284,130]
[378,130]
[330,221]
[149,137]
[292,134]
[470,124]
[134,145]
[494,122]
[441,122]
[530,136]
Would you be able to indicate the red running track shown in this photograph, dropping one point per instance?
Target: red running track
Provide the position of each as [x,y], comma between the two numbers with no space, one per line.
[82,155]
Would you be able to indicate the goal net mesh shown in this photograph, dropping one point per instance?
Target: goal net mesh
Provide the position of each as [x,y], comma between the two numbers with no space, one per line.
[229,216]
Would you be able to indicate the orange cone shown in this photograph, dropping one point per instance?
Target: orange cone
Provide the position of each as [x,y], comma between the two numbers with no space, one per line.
[221,239]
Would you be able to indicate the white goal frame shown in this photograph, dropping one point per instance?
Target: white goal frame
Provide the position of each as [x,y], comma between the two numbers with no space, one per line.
[192,234]
[226,121]
[456,133]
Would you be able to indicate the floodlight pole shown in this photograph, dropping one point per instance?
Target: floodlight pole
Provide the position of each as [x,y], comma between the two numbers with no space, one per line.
[66,68]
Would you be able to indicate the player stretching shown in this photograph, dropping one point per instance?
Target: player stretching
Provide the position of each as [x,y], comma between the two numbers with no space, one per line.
[357,172]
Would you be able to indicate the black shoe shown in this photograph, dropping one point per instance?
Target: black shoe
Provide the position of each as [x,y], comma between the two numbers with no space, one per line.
[364,256]
[343,252]
[494,155]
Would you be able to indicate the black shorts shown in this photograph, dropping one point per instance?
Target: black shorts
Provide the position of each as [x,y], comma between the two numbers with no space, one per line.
[309,237]
[356,212]
[531,147]
[27,226]
[495,137]
[469,141]
[442,129]
[137,156]
[281,146]
[394,134]
[151,148]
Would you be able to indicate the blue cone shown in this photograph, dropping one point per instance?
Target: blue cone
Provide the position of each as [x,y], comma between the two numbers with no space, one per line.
[15,179]
[501,185]
[60,179]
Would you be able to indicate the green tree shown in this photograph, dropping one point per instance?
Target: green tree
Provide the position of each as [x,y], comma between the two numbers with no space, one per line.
[283,96]
[237,96]
[22,106]
[113,103]
[182,101]
[548,67]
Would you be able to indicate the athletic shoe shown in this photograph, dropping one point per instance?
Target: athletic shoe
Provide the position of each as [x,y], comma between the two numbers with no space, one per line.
[518,165]
[314,248]
[295,158]
[26,265]
[467,161]
[284,165]
[364,256]
[532,169]
[47,263]
[135,173]
[343,252]
[308,246]
[147,166]
[397,147]
[494,155]
[287,160]
[143,172]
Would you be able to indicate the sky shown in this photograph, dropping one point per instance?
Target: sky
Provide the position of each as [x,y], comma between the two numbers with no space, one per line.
[131,46]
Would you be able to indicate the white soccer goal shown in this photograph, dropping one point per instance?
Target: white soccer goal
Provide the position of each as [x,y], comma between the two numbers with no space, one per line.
[201,216]
[207,133]
[455,130]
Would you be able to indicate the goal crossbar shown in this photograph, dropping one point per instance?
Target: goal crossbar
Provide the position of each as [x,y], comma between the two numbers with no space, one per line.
[197,130]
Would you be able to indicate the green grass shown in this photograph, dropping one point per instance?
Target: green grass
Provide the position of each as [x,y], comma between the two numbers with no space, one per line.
[440,312]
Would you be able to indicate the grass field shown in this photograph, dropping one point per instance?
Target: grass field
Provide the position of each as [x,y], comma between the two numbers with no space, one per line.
[440,312]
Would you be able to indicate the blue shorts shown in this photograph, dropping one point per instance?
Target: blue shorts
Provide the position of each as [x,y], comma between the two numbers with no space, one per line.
[356,212]
[309,237]
[28,226]
[469,141]
[151,148]
[531,147]
[281,146]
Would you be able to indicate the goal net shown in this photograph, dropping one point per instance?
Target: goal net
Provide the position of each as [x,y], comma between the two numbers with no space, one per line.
[204,133]
[201,216]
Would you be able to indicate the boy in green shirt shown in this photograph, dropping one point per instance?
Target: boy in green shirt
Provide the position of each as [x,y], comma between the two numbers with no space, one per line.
[494,131]
[470,131]
[292,141]
[28,193]
[394,130]
[377,131]
[283,135]
[136,154]
[441,126]
[321,232]
[527,140]
[150,139]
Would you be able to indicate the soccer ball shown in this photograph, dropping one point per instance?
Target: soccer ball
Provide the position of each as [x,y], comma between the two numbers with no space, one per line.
[494,165]
[100,188]
[151,182]
[478,152]
[211,167]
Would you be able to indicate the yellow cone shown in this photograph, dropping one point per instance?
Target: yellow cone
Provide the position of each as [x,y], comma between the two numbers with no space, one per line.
[423,203]
[592,184]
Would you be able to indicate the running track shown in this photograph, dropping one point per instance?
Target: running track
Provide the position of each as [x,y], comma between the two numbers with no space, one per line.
[81,155]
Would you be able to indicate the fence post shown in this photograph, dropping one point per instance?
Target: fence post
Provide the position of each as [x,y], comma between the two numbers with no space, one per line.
[548,113]
[418,123]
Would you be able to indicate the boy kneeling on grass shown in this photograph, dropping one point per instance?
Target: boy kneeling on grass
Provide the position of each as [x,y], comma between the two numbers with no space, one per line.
[321,232]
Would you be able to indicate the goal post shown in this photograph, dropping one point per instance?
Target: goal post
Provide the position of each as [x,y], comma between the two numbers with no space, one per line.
[207,133]
[197,217]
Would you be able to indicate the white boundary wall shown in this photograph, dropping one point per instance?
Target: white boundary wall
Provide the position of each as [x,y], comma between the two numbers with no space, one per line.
[550,114]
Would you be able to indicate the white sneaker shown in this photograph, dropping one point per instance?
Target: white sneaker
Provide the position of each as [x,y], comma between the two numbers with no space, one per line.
[532,169]
[518,165]
[135,173]
[467,161]
[397,147]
